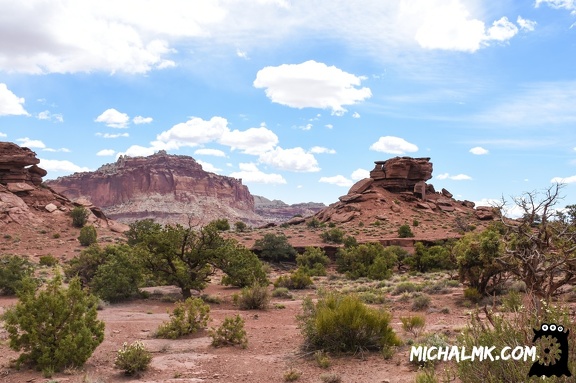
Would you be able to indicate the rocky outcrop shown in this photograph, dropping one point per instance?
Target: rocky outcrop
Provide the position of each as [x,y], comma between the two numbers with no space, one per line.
[401,173]
[166,188]
[18,165]
[279,211]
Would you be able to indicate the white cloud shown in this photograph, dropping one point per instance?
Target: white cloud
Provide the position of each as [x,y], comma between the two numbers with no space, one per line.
[27,142]
[3,134]
[525,24]
[10,104]
[563,180]
[294,159]
[249,173]
[356,115]
[311,85]
[46,115]
[142,120]
[360,174]
[338,180]
[478,150]
[210,152]
[458,177]
[393,145]
[106,152]
[61,166]
[322,150]
[329,126]
[450,26]
[138,151]
[208,167]
[113,118]
[242,54]
[63,150]
[112,135]
[569,5]
[250,141]
[305,127]
[194,132]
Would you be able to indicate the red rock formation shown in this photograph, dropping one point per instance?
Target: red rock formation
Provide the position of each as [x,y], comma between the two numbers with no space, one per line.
[18,165]
[167,188]
[401,173]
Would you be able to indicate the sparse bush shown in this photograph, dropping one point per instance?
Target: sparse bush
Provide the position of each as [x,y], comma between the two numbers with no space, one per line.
[255,297]
[57,327]
[297,280]
[56,235]
[133,358]
[512,301]
[221,224]
[48,260]
[413,324]
[350,241]
[292,375]
[188,317]
[275,248]
[313,223]
[334,235]
[371,260]
[427,375]
[342,323]
[406,287]
[472,294]
[313,261]
[404,231]
[13,270]
[421,302]
[322,359]
[86,264]
[230,333]
[79,216]
[281,292]
[415,223]
[240,227]
[330,378]
[88,235]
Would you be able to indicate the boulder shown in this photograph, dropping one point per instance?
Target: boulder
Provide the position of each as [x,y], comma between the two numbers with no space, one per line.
[446,193]
[484,213]
[296,220]
[349,197]
[361,186]
[420,190]
[343,217]
[469,204]
[50,207]
[16,187]
[401,173]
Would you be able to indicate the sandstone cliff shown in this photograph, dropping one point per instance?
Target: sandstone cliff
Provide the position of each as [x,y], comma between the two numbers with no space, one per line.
[166,188]
[279,211]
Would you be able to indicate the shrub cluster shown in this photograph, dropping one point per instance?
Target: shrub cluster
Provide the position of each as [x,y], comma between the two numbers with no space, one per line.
[298,279]
[79,216]
[431,258]
[255,297]
[242,268]
[187,317]
[13,270]
[371,260]
[275,248]
[133,358]
[230,333]
[333,235]
[313,261]
[88,235]
[342,323]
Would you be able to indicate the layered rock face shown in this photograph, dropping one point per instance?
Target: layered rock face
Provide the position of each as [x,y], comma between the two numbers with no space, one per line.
[19,165]
[166,188]
[279,211]
[401,173]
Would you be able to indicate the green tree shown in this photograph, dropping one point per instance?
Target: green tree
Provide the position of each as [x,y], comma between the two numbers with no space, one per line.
[13,269]
[334,235]
[477,257]
[79,216]
[240,227]
[55,327]
[88,235]
[119,277]
[275,248]
[241,266]
[371,260]
[221,224]
[404,231]
[426,259]
[313,261]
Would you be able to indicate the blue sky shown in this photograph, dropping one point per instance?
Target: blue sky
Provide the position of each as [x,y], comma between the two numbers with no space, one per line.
[298,98]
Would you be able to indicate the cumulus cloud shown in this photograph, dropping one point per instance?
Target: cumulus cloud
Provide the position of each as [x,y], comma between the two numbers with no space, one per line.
[501,30]
[356,115]
[478,150]
[393,145]
[3,134]
[249,173]
[138,151]
[563,180]
[250,141]
[338,180]
[10,104]
[360,174]
[210,152]
[112,135]
[29,143]
[142,120]
[458,177]
[194,132]
[242,54]
[329,126]
[569,5]
[106,152]
[525,24]
[113,118]
[206,166]
[305,127]
[294,159]
[322,150]
[61,166]
[311,85]
[47,115]
[63,150]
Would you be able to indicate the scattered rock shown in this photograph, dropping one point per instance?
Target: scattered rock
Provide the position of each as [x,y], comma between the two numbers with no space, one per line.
[344,217]
[422,205]
[401,173]
[484,213]
[18,165]
[51,207]
[469,204]
[361,186]
[296,220]
[446,193]
[446,208]
[16,187]
[349,197]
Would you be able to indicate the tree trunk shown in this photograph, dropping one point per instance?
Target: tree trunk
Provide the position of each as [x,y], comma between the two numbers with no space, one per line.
[186,293]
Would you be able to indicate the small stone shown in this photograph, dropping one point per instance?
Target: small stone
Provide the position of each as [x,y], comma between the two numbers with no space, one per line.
[51,207]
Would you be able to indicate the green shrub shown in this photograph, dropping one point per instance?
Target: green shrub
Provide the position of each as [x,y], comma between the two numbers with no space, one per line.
[242,268]
[56,235]
[342,323]
[255,297]
[427,375]
[281,292]
[119,277]
[133,358]
[275,248]
[13,270]
[421,302]
[79,216]
[221,224]
[292,375]
[330,378]
[313,223]
[413,324]
[322,359]
[188,317]
[334,235]
[297,280]
[472,294]
[57,327]
[314,261]
[427,259]
[240,227]
[512,301]
[406,287]
[371,260]
[404,231]
[86,264]
[415,223]
[230,333]
[88,236]
[48,260]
